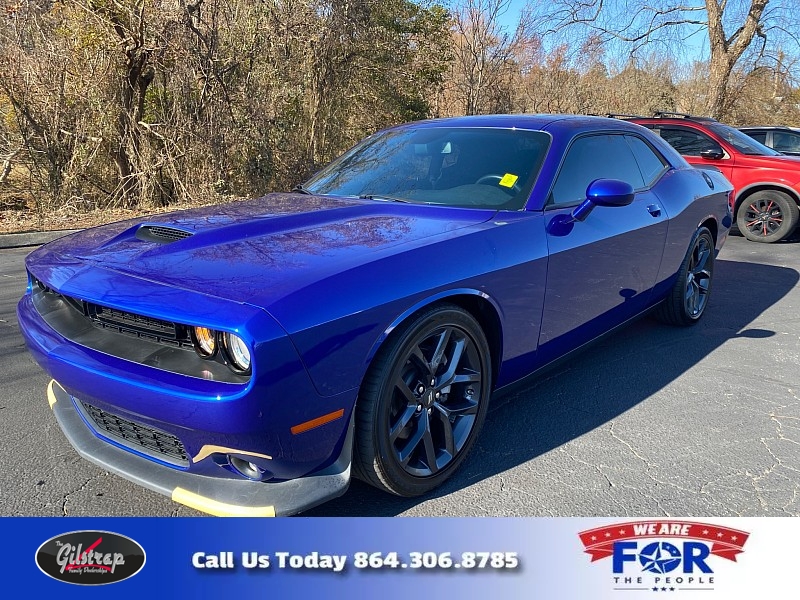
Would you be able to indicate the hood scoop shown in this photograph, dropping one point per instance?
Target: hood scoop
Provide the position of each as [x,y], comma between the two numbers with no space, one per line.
[161,234]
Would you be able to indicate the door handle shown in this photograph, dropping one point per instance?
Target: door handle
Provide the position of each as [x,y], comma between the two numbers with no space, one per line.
[654,209]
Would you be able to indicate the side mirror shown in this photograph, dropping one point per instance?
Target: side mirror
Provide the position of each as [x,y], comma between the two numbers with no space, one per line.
[713,154]
[604,192]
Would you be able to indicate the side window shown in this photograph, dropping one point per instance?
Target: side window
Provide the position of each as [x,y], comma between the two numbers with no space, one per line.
[650,162]
[786,142]
[595,157]
[688,141]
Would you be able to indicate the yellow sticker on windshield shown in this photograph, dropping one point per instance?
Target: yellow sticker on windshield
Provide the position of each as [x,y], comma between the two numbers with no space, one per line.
[509,180]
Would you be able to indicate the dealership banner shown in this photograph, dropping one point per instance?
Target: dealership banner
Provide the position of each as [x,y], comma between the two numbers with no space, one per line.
[403,558]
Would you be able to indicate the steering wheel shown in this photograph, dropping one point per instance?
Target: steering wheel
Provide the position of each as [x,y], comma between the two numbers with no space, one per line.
[493,179]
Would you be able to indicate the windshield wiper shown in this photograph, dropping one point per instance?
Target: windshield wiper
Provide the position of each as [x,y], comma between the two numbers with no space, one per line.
[384,198]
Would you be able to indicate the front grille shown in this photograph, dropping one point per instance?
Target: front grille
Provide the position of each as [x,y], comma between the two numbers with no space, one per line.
[162,235]
[104,316]
[159,343]
[124,321]
[154,442]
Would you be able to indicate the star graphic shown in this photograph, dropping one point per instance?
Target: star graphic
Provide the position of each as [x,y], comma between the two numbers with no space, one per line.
[608,534]
[655,589]
[659,557]
[734,538]
[705,531]
[663,589]
[672,589]
[594,538]
[719,535]
[622,532]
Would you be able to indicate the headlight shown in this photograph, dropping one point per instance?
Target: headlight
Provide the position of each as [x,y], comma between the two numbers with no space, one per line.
[237,351]
[205,341]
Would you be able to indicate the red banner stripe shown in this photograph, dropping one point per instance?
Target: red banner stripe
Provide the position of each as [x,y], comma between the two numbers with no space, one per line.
[726,542]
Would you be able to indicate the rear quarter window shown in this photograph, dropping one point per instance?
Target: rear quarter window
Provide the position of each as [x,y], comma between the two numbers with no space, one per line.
[650,162]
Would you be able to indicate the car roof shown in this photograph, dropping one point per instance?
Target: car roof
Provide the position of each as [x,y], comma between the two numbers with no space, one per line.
[536,122]
[771,127]
[664,116]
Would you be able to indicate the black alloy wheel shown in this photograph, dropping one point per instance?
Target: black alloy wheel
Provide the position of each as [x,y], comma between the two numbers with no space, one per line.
[767,216]
[688,299]
[423,402]
[698,277]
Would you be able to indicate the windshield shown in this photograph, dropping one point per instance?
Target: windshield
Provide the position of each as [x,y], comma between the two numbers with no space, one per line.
[465,167]
[741,141]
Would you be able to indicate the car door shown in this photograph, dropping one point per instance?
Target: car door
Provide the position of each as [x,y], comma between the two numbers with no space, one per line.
[600,271]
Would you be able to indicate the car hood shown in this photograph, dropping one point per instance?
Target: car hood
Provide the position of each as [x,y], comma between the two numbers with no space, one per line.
[261,250]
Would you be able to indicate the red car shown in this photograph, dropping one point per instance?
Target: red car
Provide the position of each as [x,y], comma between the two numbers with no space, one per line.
[766,182]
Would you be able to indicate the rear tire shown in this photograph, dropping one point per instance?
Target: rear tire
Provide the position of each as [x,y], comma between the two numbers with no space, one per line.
[688,299]
[767,216]
[422,403]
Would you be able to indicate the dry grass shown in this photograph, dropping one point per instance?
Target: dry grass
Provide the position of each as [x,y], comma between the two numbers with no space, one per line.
[25,220]
[21,221]
[19,214]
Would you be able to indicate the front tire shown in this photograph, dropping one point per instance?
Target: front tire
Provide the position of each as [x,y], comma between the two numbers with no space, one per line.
[688,299]
[423,402]
[767,216]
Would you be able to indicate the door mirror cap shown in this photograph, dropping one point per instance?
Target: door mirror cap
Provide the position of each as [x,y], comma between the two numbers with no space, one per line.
[713,154]
[604,192]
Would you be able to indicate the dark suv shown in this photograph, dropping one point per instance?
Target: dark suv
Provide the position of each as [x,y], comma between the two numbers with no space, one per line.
[783,139]
[766,182]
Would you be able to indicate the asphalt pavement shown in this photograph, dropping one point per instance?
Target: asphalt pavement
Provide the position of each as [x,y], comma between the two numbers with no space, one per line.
[652,421]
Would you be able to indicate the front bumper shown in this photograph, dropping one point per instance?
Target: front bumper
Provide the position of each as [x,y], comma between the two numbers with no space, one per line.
[213,495]
[274,417]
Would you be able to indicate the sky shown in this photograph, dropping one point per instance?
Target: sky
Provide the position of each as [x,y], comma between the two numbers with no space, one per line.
[687,44]
[693,48]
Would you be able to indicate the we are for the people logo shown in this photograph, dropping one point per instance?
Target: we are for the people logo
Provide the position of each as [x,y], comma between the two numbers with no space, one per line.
[663,556]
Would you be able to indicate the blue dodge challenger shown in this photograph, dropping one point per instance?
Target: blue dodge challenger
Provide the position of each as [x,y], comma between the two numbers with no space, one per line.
[247,359]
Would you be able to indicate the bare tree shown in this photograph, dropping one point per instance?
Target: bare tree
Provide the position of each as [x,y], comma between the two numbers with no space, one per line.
[129,23]
[731,28]
[142,103]
[484,53]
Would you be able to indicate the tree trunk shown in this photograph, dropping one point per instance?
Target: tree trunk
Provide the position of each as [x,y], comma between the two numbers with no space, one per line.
[719,74]
[127,150]
[726,51]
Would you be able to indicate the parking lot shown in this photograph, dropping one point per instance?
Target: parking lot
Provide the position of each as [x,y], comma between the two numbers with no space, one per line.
[652,421]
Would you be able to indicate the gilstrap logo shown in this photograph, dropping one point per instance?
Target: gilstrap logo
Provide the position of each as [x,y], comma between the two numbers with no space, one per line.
[90,557]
